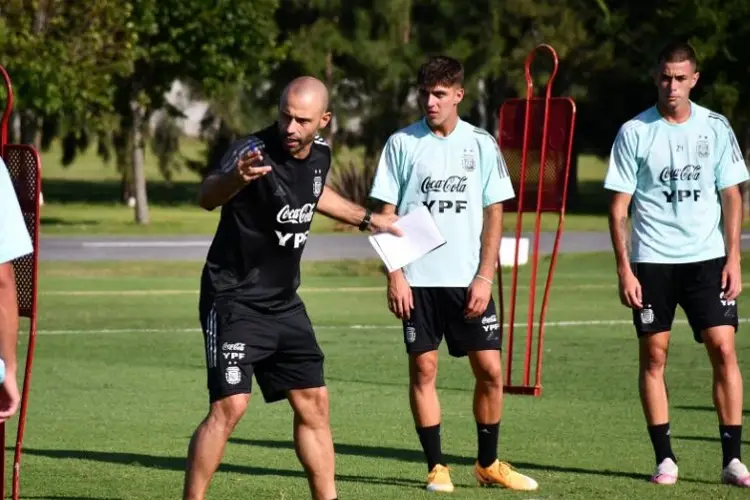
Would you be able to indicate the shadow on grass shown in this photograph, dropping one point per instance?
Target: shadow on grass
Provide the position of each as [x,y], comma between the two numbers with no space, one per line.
[160,193]
[178,464]
[703,439]
[57,221]
[62,497]
[710,409]
[416,456]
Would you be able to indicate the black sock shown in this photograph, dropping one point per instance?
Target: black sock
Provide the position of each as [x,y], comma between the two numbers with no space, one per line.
[487,436]
[430,439]
[731,441]
[660,439]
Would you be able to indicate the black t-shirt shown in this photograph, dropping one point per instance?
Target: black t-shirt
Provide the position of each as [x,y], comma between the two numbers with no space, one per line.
[255,254]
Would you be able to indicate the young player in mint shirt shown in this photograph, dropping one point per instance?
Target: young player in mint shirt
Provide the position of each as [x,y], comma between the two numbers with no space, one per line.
[677,167]
[457,172]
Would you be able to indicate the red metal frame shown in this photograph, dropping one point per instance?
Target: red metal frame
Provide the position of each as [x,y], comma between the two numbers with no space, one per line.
[541,206]
[29,202]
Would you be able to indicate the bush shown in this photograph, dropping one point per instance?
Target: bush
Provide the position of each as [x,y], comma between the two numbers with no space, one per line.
[352,178]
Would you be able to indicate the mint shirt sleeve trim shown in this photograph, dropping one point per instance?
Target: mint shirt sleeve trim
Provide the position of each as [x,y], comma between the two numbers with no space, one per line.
[622,171]
[731,168]
[386,185]
[15,241]
[737,174]
[496,186]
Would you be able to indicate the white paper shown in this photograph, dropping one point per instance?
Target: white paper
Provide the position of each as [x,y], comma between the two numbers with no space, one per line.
[420,237]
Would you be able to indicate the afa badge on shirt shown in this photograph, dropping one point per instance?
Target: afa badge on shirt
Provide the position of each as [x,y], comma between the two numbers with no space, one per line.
[317,183]
[469,160]
[702,147]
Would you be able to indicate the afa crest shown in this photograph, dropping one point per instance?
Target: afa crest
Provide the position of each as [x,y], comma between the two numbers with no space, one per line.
[702,147]
[317,184]
[233,375]
[469,160]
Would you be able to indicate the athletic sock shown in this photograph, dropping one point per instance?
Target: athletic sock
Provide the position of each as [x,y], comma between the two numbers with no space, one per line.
[660,440]
[487,437]
[430,439]
[731,441]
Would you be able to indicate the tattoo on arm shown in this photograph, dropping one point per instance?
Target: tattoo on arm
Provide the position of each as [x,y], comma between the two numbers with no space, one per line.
[623,222]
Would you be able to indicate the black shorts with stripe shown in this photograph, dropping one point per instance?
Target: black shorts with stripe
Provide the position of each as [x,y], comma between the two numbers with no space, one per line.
[280,350]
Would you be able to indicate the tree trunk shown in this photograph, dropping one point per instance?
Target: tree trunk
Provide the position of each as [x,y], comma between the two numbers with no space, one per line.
[329,83]
[139,173]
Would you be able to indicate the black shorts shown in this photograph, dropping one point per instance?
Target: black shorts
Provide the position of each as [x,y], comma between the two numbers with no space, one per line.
[439,312]
[280,350]
[696,287]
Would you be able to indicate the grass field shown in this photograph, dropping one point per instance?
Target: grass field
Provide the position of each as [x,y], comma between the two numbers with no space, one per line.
[118,388]
[83,199]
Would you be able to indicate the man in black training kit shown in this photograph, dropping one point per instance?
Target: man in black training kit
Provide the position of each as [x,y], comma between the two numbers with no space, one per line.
[269,185]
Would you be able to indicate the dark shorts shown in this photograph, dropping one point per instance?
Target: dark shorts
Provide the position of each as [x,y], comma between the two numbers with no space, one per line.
[280,350]
[696,287]
[439,312]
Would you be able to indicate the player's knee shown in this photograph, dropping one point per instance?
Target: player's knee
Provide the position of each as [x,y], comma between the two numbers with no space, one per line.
[423,370]
[654,359]
[311,407]
[491,376]
[227,412]
[723,352]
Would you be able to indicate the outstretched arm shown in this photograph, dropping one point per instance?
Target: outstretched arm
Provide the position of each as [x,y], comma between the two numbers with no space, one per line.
[337,207]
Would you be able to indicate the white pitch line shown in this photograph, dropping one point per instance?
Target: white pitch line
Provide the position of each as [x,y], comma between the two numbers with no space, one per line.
[146,244]
[548,324]
[540,287]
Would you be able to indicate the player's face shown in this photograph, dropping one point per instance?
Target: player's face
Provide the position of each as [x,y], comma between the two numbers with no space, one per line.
[675,80]
[440,103]
[301,117]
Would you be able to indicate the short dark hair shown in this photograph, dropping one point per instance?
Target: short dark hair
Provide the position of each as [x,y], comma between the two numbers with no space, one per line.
[440,70]
[677,51]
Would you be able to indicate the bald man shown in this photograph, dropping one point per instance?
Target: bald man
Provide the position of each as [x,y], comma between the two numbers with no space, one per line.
[269,185]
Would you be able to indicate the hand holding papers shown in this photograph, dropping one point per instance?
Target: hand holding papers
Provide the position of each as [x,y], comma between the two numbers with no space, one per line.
[420,236]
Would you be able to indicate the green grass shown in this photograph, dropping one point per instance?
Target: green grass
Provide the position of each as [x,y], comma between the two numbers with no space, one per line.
[119,385]
[83,199]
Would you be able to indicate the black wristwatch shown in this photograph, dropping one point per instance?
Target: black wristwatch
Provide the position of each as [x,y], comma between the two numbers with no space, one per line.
[365,224]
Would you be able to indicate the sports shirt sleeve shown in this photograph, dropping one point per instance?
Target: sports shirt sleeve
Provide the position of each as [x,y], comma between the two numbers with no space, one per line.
[386,186]
[496,183]
[237,150]
[15,241]
[730,166]
[623,166]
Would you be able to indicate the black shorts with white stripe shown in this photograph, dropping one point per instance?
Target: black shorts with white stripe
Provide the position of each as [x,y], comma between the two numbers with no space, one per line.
[280,350]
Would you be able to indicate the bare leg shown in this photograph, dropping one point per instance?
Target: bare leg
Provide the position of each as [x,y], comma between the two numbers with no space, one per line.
[488,389]
[423,397]
[653,350]
[727,378]
[313,440]
[208,442]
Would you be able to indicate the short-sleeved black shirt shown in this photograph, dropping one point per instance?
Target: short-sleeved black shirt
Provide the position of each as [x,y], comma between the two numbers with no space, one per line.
[256,250]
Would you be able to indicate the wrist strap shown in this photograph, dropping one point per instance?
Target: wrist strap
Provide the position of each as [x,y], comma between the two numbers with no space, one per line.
[365,224]
[483,278]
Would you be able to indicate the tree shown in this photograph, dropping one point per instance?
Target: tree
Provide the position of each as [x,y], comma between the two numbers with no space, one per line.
[61,68]
[207,46]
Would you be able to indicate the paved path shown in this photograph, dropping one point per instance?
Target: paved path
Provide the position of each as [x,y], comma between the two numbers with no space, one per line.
[319,247]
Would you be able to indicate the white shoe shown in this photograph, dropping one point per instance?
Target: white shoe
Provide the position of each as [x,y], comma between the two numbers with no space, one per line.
[736,474]
[666,472]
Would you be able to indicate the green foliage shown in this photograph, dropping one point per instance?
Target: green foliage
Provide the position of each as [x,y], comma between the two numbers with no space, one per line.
[61,68]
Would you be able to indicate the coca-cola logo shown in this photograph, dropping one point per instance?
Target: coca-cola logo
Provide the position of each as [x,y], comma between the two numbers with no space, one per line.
[686,173]
[301,215]
[453,184]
